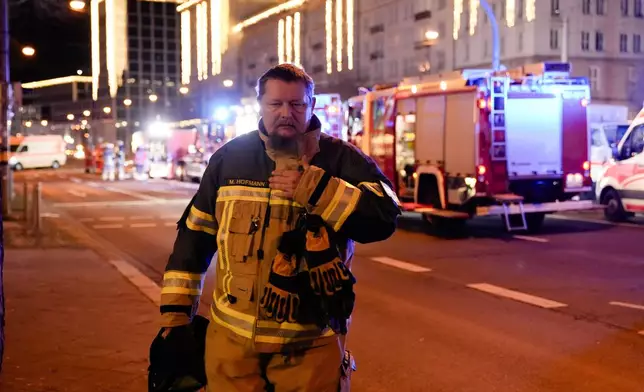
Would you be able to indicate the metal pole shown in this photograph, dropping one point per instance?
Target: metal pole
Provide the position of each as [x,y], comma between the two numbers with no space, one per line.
[25,201]
[4,164]
[4,107]
[496,45]
[564,42]
[36,201]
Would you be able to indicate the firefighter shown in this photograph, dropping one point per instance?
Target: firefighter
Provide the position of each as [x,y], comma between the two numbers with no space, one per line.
[282,206]
[120,160]
[108,162]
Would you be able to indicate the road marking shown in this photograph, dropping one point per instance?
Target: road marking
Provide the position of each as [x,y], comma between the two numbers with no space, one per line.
[166,217]
[49,215]
[86,220]
[138,279]
[142,225]
[130,193]
[77,193]
[530,238]
[170,224]
[112,218]
[641,332]
[597,221]
[76,180]
[400,264]
[103,204]
[517,296]
[627,305]
[142,217]
[107,226]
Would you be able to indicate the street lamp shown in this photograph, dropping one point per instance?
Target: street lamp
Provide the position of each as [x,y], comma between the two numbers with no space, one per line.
[184,90]
[107,110]
[44,123]
[86,113]
[431,35]
[153,97]
[79,72]
[28,124]
[70,117]
[77,5]
[28,51]
[127,102]
[228,83]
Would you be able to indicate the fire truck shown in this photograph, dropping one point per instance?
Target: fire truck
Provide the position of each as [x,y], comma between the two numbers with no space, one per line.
[478,142]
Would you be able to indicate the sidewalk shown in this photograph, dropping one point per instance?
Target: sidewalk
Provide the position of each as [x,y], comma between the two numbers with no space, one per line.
[73,322]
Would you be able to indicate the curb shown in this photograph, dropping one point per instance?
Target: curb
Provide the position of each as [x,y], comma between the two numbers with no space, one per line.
[134,271]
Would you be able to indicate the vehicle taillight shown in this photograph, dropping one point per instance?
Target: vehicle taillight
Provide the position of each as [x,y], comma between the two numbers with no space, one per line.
[584,102]
[586,165]
[482,103]
[481,169]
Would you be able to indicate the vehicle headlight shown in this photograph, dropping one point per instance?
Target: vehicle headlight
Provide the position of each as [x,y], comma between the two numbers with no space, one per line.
[13,160]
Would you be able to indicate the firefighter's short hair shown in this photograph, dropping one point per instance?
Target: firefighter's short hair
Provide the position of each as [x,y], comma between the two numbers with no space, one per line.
[288,73]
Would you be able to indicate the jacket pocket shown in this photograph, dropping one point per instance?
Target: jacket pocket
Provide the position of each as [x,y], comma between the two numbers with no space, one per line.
[241,291]
[244,231]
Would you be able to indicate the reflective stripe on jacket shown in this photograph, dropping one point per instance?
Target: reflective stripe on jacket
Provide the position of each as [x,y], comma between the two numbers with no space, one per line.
[235,214]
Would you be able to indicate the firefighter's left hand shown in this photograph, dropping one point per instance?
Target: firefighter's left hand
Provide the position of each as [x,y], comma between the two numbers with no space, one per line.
[287,180]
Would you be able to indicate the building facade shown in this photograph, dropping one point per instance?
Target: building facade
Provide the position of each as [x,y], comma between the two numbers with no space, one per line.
[136,63]
[345,44]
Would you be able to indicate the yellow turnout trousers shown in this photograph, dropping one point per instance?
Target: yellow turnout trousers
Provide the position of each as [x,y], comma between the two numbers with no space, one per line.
[233,366]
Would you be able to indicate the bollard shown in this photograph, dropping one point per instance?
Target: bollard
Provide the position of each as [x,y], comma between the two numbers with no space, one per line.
[36,206]
[25,202]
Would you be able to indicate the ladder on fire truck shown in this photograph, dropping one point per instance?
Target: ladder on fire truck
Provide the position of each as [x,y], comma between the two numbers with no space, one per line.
[499,96]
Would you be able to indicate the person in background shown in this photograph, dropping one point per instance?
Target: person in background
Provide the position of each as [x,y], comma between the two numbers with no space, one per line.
[120,160]
[108,162]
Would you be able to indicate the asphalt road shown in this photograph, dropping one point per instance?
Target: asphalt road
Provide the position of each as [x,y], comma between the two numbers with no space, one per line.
[559,311]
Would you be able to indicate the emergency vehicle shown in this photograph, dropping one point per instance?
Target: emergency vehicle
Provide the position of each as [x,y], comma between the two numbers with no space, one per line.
[328,109]
[621,186]
[478,142]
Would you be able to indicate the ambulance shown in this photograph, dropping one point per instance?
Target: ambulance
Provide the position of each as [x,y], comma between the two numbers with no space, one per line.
[477,142]
[621,186]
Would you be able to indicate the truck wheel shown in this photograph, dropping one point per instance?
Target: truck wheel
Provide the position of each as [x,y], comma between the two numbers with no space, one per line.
[55,165]
[18,167]
[614,210]
[535,221]
[447,227]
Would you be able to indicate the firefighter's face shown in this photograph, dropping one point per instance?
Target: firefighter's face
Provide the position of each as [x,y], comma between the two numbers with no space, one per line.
[286,109]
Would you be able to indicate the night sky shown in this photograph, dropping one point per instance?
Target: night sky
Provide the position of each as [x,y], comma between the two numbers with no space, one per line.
[60,36]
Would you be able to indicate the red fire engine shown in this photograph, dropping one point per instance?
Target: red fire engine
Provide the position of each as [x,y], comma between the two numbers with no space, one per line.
[477,142]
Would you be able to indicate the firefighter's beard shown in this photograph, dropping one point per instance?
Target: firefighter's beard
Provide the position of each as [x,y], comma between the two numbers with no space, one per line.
[284,144]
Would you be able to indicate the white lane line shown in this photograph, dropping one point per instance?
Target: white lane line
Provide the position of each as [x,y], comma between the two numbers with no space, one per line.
[530,238]
[130,193]
[129,203]
[627,305]
[86,220]
[107,226]
[517,296]
[166,217]
[400,264]
[170,224]
[76,180]
[597,221]
[138,279]
[142,225]
[142,217]
[77,193]
[112,218]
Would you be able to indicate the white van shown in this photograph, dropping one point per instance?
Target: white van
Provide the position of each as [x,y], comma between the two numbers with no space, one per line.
[603,145]
[621,187]
[31,152]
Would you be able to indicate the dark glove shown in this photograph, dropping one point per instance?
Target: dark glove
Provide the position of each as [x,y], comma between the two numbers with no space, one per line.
[177,361]
[280,299]
[327,272]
